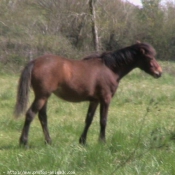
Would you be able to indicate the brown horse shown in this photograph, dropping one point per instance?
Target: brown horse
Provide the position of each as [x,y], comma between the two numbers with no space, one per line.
[94,79]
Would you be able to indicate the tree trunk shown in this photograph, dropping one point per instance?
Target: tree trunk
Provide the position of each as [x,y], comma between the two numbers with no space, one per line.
[94,25]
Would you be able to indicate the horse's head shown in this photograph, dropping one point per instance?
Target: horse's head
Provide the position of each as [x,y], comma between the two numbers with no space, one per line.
[147,60]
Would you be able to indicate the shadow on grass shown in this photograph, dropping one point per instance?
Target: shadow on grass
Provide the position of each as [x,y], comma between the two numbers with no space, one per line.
[9,147]
[30,146]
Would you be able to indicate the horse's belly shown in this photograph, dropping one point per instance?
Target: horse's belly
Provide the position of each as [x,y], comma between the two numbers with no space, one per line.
[71,95]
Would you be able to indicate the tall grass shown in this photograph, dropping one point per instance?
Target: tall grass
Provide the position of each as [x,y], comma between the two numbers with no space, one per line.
[140,132]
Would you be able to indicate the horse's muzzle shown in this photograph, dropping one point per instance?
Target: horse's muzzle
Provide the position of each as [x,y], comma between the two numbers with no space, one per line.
[157,74]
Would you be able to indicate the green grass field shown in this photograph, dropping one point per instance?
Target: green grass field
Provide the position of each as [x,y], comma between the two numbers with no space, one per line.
[140,132]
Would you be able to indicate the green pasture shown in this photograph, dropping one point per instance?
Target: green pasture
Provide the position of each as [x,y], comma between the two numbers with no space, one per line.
[140,131]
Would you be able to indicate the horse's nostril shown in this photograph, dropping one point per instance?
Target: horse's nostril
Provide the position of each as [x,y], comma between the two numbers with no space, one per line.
[158,74]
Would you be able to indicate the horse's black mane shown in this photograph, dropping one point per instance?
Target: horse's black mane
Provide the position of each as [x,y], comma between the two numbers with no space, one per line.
[125,55]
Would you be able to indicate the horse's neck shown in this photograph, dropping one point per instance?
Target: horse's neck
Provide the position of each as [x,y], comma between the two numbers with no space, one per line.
[125,69]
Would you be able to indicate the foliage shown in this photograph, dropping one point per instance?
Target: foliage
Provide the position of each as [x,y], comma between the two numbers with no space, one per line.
[32,28]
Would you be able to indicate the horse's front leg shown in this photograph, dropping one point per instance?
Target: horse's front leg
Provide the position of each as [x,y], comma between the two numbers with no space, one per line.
[90,114]
[103,119]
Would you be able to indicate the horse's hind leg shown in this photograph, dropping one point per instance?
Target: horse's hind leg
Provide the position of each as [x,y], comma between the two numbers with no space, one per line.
[89,118]
[43,120]
[35,107]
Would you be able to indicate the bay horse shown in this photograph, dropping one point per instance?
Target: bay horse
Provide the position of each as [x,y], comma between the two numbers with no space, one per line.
[94,79]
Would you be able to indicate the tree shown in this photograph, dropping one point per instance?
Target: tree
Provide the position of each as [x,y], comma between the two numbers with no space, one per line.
[94,25]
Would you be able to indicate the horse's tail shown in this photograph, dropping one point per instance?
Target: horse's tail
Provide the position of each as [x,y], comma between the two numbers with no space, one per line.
[23,90]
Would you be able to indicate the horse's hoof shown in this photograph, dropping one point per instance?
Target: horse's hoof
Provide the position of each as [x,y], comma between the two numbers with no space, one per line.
[23,141]
[82,141]
[48,142]
[102,140]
